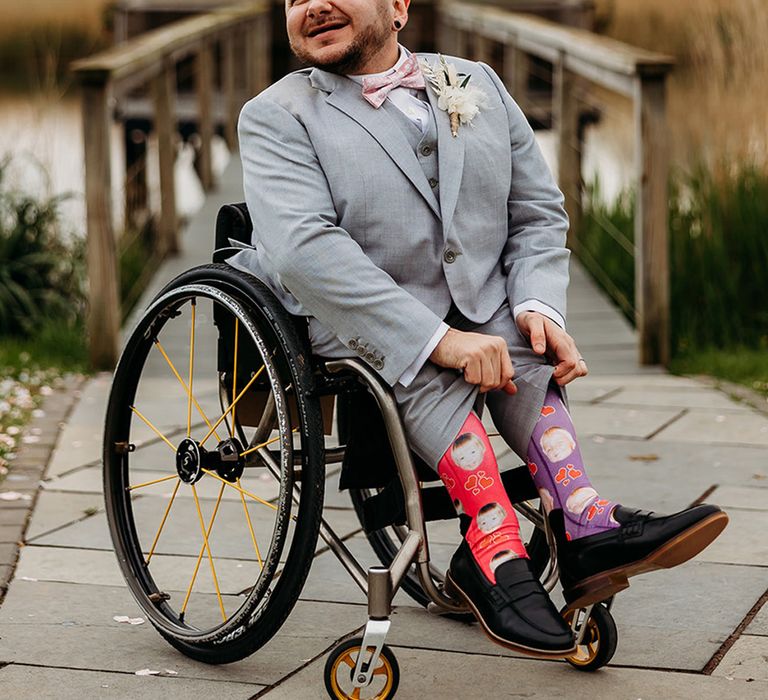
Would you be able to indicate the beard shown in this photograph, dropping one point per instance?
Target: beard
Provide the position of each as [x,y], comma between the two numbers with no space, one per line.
[366,44]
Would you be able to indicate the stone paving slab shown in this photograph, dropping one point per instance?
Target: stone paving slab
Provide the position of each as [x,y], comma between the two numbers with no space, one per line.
[620,422]
[55,510]
[752,498]
[742,542]
[675,397]
[759,624]
[707,427]
[76,617]
[67,684]
[748,659]
[480,676]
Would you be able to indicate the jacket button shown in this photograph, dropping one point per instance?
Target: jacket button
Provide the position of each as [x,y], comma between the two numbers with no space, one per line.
[433,182]
[352,344]
[378,364]
[449,256]
[426,150]
[361,350]
[370,356]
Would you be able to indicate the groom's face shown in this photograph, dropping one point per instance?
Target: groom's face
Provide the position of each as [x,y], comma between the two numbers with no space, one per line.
[343,36]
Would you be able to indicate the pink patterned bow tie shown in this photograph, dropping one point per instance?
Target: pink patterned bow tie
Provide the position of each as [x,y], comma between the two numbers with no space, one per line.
[408,75]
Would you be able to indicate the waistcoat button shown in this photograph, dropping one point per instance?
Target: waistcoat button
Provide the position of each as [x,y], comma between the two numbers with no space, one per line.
[426,150]
[432,182]
[449,256]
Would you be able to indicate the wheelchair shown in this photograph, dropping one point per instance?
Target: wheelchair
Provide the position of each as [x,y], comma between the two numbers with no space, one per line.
[214,471]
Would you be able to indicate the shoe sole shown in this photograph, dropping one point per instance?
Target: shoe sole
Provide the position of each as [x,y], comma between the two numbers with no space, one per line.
[453,589]
[676,551]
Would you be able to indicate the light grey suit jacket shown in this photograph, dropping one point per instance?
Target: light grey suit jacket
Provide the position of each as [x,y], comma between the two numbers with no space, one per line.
[347,228]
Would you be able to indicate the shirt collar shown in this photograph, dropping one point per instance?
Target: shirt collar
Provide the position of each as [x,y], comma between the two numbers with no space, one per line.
[404,54]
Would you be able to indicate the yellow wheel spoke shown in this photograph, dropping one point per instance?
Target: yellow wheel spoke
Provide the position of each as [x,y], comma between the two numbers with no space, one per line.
[152,427]
[380,671]
[191,370]
[250,526]
[347,659]
[241,490]
[355,694]
[234,378]
[206,548]
[184,384]
[232,406]
[156,481]
[162,523]
[263,444]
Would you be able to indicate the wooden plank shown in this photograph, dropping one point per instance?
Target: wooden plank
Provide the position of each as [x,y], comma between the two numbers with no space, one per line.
[231,108]
[483,49]
[263,33]
[539,35]
[566,121]
[164,94]
[516,71]
[148,49]
[204,87]
[103,272]
[651,222]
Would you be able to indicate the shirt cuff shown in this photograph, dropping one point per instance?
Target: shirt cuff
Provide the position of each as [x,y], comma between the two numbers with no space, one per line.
[413,369]
[533,305]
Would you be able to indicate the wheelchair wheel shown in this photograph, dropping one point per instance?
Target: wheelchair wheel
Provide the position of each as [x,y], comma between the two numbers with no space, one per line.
[387,541]
[214,529]
[600,639]
[340,666]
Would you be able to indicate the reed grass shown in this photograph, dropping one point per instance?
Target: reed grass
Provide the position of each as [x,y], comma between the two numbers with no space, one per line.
[717,101]
[718,256]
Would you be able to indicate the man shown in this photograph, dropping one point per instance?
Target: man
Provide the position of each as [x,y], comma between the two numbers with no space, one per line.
[432,246]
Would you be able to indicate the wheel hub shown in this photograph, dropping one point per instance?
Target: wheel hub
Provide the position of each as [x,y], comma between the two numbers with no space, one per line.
[189,461]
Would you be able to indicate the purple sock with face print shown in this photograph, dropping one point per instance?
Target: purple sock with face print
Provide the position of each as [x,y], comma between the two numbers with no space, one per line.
[557,469]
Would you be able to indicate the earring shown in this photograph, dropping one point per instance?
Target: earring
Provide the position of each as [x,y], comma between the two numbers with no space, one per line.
[398,24]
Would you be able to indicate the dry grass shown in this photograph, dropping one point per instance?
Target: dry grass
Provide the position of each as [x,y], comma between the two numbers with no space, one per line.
[86,14]
[718,104]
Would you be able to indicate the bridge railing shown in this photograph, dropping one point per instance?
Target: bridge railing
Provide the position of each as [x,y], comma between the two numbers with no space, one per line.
[242,35]
[579,57]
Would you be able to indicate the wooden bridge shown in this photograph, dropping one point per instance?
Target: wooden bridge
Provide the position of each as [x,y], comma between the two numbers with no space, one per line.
[545,51]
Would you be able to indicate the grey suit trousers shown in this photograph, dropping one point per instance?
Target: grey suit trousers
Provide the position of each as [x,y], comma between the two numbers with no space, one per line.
[436,404]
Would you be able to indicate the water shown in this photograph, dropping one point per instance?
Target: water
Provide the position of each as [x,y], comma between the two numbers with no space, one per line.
[43,135]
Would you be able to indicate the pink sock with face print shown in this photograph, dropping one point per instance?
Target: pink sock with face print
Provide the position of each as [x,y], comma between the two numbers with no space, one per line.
[557,469]
[470,473]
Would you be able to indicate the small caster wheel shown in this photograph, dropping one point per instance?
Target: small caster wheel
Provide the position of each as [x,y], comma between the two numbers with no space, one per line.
[340,667]
[600,639]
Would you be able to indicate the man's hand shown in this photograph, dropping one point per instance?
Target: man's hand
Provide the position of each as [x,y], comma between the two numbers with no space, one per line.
[547,337]
[483,358]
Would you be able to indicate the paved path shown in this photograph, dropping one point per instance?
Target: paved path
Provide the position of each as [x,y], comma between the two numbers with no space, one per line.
[650,440]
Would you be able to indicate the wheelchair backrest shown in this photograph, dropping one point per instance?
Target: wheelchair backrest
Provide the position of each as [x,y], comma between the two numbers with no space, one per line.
[233,223]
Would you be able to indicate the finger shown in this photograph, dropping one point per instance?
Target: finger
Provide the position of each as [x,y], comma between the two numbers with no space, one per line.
[507,369]
[567,373]
[496,379]
[488,379]
[538,336]
[472,371]
[510,388]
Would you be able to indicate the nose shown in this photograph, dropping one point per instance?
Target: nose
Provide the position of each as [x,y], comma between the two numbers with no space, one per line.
[318,7]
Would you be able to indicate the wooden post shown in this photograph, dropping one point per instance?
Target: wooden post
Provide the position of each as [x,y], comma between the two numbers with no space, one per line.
[103,271]
[565,113]
[483,49]
[204,84]
[651,221]
[263,52]
[228,48]
[164,96]
[516,73]
[251,60]
[461,41]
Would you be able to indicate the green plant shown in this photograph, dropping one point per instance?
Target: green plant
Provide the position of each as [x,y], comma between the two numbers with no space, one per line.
[41,275]
[718,256]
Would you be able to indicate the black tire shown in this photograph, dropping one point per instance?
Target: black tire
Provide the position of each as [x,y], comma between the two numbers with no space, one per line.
[253,603]
[338,672]
[600,640]
[386,542]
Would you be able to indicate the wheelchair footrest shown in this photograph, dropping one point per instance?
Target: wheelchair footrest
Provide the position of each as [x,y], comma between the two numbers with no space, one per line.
[388,506]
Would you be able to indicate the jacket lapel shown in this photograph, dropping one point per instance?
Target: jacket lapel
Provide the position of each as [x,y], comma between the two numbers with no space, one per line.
[450,160]
[344,95]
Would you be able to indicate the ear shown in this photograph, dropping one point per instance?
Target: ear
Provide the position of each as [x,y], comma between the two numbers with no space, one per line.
[400,11]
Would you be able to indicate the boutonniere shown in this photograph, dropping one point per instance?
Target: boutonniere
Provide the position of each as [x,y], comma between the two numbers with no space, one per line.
[455,95]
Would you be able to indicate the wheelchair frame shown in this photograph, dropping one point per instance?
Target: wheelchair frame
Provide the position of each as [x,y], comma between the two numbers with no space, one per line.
[378,583]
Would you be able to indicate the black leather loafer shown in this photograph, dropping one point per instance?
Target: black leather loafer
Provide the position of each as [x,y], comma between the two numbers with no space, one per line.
[516,612]
[596,567]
